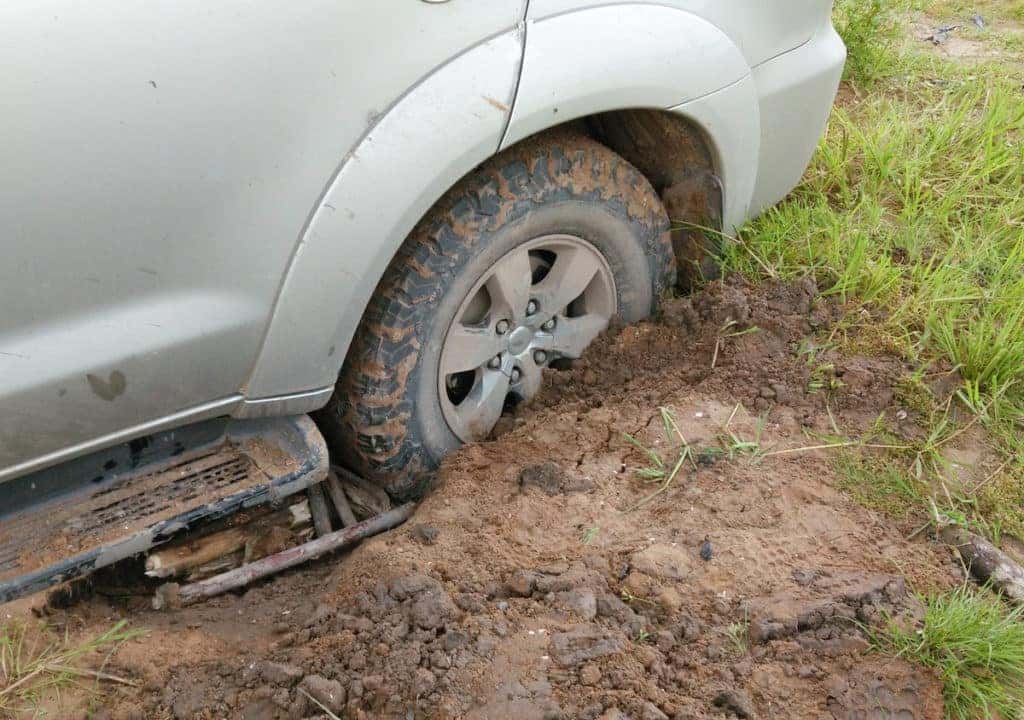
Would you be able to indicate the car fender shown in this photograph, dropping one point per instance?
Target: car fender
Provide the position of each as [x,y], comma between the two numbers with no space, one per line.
[636,55]
[731,121]
[434,134]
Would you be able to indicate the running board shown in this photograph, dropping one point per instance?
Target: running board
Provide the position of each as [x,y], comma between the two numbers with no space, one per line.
[72,528]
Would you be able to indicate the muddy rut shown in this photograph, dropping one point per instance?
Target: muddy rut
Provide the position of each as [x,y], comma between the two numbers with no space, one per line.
[543,577]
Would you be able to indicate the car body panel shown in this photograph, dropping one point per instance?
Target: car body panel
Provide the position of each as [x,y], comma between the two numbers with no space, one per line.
[385,186]
[735,136]
[160,164]
[790,90]
[618,56]
[761,29]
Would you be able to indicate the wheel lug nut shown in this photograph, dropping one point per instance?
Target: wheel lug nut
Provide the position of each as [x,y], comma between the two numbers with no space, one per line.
[502,327]
[549,325]
[515,375]
[531,307]
[540,357]
[494,363]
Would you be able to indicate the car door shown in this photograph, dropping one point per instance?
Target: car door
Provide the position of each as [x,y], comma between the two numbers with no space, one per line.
[160,161]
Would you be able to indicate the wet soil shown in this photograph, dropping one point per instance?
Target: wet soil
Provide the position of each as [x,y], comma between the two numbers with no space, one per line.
[542,577]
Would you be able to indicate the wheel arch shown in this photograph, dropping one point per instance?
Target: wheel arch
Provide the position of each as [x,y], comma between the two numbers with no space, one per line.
[700,155]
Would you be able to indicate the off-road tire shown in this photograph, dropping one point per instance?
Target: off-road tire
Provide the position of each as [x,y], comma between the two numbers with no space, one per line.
[384,419]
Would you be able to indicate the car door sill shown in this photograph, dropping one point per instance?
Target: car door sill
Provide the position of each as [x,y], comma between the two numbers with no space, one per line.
[215,408]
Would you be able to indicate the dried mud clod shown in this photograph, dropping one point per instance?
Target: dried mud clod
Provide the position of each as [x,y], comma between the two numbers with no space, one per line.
[882,691]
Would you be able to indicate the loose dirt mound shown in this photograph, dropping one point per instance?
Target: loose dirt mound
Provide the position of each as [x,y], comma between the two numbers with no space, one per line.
[542,578]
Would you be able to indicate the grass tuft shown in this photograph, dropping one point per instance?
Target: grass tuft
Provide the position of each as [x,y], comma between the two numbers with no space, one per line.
[870,31]
[977,648]
[881,484]
[34,663]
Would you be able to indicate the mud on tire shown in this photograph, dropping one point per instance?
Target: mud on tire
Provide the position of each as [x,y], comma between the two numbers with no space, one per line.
[384,420]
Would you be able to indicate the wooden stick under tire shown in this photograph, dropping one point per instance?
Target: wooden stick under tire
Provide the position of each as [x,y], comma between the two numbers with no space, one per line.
[174,595]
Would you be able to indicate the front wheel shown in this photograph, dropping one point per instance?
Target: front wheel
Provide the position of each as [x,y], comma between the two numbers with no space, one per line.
[524,262]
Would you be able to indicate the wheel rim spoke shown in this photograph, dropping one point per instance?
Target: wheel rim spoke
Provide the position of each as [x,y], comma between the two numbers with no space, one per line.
[572,272]
[467,348]
[530,377]
[509,286]
[480,410]
[571,336]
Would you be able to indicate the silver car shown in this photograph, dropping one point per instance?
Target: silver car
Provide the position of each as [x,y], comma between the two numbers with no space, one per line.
[396,214]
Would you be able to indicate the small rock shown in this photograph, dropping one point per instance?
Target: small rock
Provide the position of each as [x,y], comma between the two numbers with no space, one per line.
[650,711]
[669,598]
[423,681]
[330,693]
[485,644]
[584,643]
[521,583]
[706,551]
[662,560]
[189,703]
[280,674]
[424,534]
[581,601]
[804,577]
[469,602]
[664,640]
[547,477]
[455,640]
[782,394]
[357,661]
[648,656]
[432,610]
[737,702]
[590,674]
[407,586]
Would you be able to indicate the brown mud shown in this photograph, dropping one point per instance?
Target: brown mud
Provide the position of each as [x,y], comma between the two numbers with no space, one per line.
[543,578]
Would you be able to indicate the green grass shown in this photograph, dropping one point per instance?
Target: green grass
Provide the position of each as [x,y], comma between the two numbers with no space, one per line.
[36,664]
[977,648]
[913,206]
[658,470]
[961,10]
[738,634]
[881,484]
[870,32]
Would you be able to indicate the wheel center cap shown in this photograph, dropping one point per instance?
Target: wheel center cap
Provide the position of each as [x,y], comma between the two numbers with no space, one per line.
[520,339]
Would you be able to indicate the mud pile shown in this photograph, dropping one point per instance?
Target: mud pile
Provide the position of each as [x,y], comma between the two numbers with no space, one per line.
[543,578]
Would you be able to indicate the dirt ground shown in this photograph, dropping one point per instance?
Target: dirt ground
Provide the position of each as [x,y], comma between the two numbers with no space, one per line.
[540,578]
